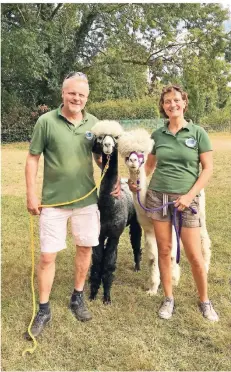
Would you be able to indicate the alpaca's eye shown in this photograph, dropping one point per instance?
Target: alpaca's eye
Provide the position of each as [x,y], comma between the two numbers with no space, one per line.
[100,138]
[116,138]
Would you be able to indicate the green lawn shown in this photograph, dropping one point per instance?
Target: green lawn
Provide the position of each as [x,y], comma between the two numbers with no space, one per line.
[128,335]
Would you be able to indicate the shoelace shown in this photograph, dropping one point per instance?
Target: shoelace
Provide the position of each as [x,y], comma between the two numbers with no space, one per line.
[80,302]
[39,316]
[166,302]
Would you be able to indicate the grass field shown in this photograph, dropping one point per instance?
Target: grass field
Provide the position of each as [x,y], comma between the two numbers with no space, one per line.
[128,335]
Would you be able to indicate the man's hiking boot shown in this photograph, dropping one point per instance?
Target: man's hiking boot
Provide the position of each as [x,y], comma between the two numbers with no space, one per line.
[79,309]
[40,321]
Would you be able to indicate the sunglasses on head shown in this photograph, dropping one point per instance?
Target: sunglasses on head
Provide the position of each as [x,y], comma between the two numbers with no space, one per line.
[73,73]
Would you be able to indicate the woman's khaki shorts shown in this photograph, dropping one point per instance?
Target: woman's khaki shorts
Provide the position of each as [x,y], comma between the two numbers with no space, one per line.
[154,199]
[85,227]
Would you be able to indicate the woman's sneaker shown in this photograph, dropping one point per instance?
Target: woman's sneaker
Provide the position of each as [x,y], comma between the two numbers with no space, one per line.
[166,309]
[208,311]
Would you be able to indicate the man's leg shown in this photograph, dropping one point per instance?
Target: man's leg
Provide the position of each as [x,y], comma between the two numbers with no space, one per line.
[53,226]
[46,274]
[82,264]
[85,223]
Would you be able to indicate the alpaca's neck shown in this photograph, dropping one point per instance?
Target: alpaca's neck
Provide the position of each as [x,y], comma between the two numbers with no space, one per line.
[143,182]
[110,178]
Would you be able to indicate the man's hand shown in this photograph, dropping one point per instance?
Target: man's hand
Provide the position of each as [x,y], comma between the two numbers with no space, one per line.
[117,189]
[33,205]
[183,202]
[132,186]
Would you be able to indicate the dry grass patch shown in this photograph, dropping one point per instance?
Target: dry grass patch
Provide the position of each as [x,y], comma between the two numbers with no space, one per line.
[128,335]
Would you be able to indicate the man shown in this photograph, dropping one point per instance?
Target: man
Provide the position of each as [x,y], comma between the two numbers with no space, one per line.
[63,136]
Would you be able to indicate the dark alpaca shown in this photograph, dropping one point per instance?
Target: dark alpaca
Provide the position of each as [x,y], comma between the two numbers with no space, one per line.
[115,215]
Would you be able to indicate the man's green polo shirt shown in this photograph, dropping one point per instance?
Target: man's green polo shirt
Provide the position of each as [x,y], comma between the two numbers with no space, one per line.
[178,159]
[67,150]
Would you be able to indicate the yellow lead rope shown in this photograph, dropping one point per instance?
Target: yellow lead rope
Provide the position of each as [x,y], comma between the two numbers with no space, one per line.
[31,350]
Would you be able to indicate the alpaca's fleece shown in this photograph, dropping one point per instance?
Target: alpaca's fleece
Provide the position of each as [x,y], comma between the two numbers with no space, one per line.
[135,140]
[107,127]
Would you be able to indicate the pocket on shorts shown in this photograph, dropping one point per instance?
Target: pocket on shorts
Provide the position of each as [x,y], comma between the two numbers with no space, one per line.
[190,219]
[153,199]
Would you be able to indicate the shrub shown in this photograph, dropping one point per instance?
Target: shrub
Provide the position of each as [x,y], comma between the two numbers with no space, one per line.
[124,109]
[218,120]
[18,122]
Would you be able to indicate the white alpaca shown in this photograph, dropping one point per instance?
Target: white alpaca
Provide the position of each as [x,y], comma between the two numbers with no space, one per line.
[139,142]
[205,240]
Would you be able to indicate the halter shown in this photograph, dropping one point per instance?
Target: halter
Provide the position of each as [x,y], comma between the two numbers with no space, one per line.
[139,156]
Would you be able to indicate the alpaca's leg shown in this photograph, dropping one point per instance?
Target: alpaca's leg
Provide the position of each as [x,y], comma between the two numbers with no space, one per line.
[96,268]
[205,240]
[109,266]
[205,246]
[135,231]
[175,266]
[152,253]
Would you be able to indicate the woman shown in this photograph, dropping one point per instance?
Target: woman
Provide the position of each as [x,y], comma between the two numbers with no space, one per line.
[180,147]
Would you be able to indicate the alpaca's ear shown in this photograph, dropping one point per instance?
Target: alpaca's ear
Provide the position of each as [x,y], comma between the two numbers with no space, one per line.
[116,138]
[99,139]
[151,145]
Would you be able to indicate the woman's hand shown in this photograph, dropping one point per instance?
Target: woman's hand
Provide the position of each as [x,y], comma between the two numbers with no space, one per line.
[117,189]
[132,186]
[183,202]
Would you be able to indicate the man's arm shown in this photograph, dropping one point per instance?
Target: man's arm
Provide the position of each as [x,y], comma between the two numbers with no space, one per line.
[117,188]
[98,159]
[31,170]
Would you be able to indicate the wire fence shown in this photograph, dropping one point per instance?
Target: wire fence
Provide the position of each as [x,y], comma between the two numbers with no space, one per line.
[10,135]
[142,123]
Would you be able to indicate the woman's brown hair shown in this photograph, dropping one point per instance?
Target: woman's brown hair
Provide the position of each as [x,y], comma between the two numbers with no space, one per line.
[168,89]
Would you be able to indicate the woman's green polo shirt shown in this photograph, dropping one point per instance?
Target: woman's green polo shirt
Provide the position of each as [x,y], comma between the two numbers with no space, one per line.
[178,159]
[67,150]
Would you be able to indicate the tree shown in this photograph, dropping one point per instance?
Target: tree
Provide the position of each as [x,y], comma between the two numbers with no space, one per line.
[115,44]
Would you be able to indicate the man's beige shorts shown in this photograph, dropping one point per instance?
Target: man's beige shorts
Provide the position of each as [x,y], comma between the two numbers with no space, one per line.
[155,199]
[85,227]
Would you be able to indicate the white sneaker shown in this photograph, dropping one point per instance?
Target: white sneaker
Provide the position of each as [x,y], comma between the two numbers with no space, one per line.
[166,309]
[208,311]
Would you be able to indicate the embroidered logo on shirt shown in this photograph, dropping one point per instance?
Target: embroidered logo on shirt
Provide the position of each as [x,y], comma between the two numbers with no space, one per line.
[191,142]
[89,135]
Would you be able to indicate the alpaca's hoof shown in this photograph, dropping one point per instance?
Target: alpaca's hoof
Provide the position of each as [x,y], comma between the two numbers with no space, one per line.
[92,296]
[175,281]
[137,267]
[206,268]
[107,300]
[152,292]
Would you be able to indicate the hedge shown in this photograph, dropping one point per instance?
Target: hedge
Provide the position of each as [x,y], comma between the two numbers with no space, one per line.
[143,108]
[18,122]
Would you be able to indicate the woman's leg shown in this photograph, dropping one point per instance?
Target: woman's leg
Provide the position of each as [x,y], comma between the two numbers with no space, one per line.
[163,233]
[192,244]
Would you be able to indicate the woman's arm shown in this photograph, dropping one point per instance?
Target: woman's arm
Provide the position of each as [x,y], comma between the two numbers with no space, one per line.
[150,164]
[206,159]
